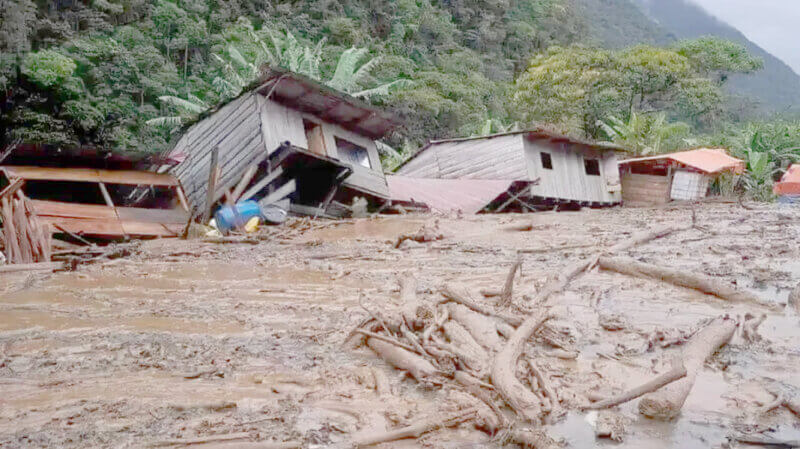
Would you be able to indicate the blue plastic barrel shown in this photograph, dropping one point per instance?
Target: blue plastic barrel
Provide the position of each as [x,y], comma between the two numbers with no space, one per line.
[231,217]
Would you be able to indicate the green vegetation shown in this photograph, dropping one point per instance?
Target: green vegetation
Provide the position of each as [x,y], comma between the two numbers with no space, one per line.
[124,75]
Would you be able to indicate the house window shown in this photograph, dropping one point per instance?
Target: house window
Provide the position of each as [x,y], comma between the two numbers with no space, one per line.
[350,152]
[592,167]
[547,161]
[316,142]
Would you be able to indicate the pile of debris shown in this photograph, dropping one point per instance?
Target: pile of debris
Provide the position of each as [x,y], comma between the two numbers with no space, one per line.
[458,341]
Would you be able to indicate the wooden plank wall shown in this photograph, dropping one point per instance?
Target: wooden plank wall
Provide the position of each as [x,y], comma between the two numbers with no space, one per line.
[567,180]
[236,129]
[645,189]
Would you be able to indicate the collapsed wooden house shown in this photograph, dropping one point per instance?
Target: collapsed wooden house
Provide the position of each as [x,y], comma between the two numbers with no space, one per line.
[38,202]
[556,169]
[288,137]
[683,175]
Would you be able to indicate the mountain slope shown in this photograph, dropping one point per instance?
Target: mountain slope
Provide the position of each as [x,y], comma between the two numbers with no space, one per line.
[777,86]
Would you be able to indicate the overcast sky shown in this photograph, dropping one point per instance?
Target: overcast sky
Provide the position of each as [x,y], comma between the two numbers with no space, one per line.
[772,24]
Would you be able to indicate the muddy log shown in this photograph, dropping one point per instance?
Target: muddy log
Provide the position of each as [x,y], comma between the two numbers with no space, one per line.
[482,328]
[461,295]
[504,370]
[681,278]
[639,238]
[414,311]
[508,289]
[678,371]
[559,282]
[666,402]
[415,430]
[402,359]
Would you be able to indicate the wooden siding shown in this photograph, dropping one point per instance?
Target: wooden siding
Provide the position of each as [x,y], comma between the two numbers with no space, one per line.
[96,219]
[500,158]
[645,189]
[280,124]
[568,180]
[236,129]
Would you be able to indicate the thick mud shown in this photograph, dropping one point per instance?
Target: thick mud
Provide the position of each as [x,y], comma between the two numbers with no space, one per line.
[189,340]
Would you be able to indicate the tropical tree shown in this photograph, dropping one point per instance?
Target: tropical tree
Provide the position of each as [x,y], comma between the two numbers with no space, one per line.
[647,134]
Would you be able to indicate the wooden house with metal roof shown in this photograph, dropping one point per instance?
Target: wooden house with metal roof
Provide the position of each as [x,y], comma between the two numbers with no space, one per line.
[559,169]
[288,136]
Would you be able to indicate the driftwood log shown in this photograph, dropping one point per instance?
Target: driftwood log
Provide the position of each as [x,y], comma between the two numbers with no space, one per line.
[508,288]
[794,300]
[402,359]
[415,430]
[666,402]
[639,238]
[681,278]
[678,371]
[482,328]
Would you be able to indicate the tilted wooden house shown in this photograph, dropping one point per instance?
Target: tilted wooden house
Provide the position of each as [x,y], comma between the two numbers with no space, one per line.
[561,169]
[288,134]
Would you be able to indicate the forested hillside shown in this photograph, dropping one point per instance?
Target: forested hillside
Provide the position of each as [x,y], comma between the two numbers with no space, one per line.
[125,75]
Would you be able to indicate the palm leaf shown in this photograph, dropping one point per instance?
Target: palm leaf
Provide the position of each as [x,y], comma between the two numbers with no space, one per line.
[344,75]
[180,103]
[384,89]
[172,122]
[363,72]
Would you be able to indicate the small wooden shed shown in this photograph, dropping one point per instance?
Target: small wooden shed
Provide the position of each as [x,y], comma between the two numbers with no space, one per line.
[683,175]
[559,169]
[288,134]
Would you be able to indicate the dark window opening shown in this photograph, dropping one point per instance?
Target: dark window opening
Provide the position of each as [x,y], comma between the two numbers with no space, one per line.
[547,161]
[592,167]
[350,152]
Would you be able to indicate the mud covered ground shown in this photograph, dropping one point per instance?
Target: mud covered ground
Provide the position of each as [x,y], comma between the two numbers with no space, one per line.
[187,341]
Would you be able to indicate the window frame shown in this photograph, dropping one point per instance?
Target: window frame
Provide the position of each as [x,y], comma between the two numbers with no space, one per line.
[595,167]
[353,146]
[546,160]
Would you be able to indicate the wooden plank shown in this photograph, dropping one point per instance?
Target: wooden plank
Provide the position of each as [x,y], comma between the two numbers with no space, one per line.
[244,182]
[21,225]
[12,248]
[127,177]
[152,229]
[163,216]
[287,189]
[182,198]
[135,177]
[263,182]
[86,226]
[12,188]
[106,196]
[73,210]
[212,184]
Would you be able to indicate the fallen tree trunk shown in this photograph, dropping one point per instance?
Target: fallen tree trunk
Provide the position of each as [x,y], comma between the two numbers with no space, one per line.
[705,284]
[402,359]
[678,371]
[414,311]
[482,328]
[666,402]
[414,430]
[504,377]
[461,296]
[643,237]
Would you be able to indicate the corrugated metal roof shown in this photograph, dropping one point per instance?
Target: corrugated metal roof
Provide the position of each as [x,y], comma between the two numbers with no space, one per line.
[467,195]
[707,160]
[789,183]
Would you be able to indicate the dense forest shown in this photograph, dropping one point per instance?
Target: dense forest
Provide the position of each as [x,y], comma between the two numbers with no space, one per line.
[125,75]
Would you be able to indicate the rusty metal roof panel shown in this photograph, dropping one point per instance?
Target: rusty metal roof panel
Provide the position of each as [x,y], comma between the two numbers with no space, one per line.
[444,195]
[706,160]
[790,182]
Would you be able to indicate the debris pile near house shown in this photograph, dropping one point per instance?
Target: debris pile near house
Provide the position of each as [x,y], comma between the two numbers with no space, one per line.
[81,203]
[684,175]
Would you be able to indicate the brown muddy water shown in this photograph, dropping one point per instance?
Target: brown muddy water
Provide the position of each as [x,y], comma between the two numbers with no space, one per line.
[190,340]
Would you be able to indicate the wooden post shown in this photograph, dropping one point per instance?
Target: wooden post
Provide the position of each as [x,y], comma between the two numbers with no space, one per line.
[106,196]
[12,244]
[212,184]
